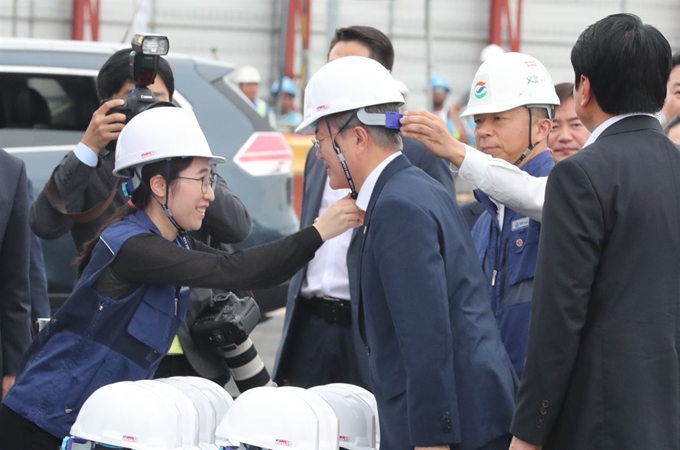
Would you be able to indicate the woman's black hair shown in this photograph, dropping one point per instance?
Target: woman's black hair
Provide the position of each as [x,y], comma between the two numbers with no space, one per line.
[141,198]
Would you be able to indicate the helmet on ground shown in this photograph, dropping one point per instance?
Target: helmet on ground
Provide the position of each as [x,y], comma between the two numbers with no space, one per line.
[509,80]
[440,82]
[247,74]
[286,85]
[204,406]
[367,396]
[489,52]
[346,84]
[356,420]
[157,134]
[273,418]
[220,398]
[186,407]
[126,414]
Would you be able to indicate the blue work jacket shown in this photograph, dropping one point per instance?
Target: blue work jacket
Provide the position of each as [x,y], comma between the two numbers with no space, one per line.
[508,257]
[94,340]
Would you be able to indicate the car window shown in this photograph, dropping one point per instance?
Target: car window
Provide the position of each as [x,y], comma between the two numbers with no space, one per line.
[45,101]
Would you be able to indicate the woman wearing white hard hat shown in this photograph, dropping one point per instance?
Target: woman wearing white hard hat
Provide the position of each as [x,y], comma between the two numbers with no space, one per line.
[130,299]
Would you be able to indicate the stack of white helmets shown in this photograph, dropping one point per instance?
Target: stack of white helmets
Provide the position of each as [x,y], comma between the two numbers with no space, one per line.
[189,413]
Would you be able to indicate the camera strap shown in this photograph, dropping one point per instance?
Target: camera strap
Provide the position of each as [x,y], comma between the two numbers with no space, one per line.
[54,198]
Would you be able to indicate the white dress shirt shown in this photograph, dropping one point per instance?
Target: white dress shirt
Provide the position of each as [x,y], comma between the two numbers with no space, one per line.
[327,274]
[367,188]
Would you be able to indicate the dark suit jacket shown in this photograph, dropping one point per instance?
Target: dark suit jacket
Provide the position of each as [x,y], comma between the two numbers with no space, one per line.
[314,182]
[40,300]
[15,248]
[471,212]
[603,370]
[438,368]
[82,187]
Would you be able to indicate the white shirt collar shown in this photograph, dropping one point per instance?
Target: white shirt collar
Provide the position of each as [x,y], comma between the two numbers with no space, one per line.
[608,123]
[367,188]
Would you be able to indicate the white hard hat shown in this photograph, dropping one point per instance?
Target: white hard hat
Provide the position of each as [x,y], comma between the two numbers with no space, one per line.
[160,133]
[357,423]
[186,407]
[126,414]
[346,84]
[247,74]
[402,87]
[219,397]
[367,396]
[207,416]
[510,80]
[489,52]
[278,418]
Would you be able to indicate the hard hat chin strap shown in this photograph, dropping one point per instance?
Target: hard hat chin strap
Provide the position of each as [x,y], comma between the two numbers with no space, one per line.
[181,231]
[531,146]
[341,157]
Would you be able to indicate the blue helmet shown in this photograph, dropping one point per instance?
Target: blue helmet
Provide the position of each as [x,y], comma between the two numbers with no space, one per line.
[439,82]
[287,86]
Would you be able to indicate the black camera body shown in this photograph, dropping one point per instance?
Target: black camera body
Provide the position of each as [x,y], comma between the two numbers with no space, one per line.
[226,322]
[146,51]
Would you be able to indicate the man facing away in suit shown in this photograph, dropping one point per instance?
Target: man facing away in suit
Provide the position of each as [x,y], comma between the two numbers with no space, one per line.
[319,344]
[15,249]
[602,367]
[436,364]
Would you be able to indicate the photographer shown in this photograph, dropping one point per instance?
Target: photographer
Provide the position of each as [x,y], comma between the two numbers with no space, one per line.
[129,300]
[83,194]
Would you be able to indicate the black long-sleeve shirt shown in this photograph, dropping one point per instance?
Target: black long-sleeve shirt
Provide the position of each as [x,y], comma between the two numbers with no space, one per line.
[150,258]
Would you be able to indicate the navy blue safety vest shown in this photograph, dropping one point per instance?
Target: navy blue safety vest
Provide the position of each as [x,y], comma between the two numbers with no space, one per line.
[508,257]
[94,340]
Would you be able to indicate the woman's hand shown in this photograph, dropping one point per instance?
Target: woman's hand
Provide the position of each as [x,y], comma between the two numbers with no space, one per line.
[338,218]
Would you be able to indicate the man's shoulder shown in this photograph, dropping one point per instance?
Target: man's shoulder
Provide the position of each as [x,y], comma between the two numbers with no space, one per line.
[415,151]
[9,161]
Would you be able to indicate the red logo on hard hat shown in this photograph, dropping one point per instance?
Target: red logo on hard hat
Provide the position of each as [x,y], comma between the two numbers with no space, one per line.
[148,154]
[130,439]
[344,438]
[322,108]
[283,442]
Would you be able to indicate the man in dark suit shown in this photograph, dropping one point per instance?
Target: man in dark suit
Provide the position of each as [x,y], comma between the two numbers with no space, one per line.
[319,343]
[602,366]
[436,364]
[15,249]
[84,181]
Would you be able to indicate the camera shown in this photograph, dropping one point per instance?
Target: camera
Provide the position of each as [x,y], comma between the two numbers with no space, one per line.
[226,324]
[227,321]
[146,50]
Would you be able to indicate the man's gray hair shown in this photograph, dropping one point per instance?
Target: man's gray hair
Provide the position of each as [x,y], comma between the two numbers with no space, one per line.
[385,137]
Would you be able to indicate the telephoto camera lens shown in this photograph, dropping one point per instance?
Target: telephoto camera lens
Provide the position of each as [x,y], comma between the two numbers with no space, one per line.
[246,366]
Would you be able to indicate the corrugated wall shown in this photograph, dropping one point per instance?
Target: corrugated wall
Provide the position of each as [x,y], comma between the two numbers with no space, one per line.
[247,32]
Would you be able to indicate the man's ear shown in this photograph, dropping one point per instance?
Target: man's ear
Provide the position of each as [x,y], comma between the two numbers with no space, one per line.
[542,127]
[157,186]
[361,139]
[586,91]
